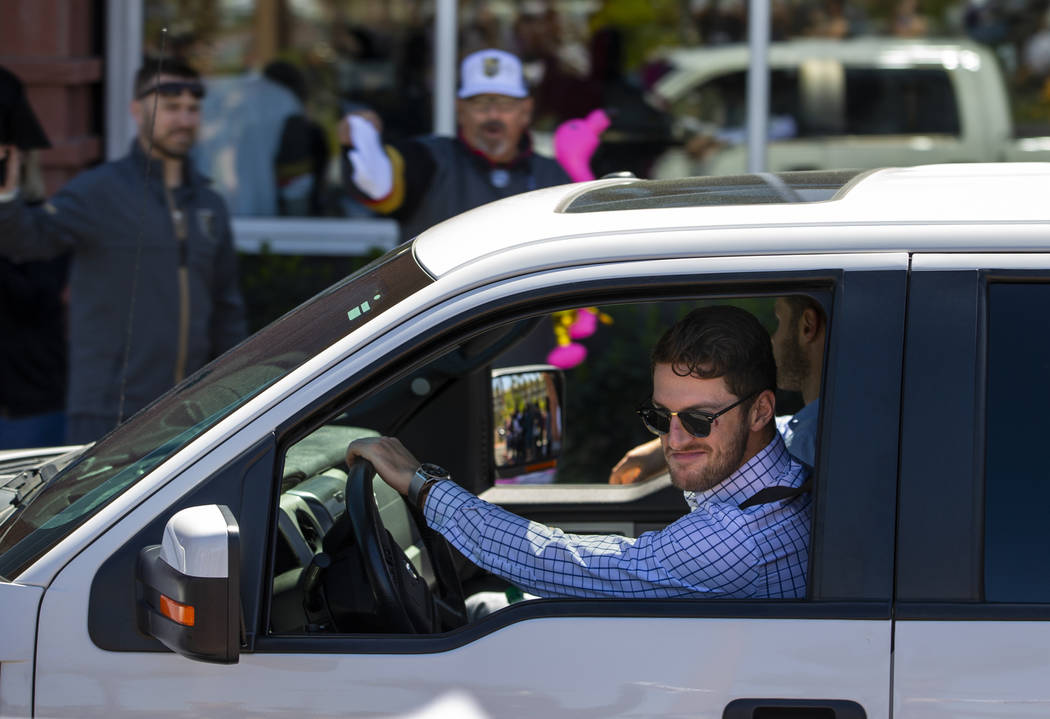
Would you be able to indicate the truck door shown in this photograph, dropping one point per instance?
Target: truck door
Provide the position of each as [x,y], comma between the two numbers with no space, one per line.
[973,594]
[827,653]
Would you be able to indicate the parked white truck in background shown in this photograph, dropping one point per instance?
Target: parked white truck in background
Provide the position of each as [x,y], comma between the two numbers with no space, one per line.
[859,103]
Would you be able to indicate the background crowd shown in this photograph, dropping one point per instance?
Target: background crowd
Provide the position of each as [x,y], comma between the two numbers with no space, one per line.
[577,56]
[271,132]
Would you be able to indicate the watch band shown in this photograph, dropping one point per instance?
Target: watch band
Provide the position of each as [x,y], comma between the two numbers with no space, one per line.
[424,491]
[415,486]
[425,477]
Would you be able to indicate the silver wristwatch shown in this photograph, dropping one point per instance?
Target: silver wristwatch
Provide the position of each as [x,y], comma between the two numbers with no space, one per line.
[426,476]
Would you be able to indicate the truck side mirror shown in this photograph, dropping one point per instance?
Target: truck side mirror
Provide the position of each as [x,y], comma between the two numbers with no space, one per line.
[528,423]
[189,585]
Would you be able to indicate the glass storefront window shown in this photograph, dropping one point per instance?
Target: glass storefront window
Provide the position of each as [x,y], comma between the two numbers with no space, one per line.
[282,72]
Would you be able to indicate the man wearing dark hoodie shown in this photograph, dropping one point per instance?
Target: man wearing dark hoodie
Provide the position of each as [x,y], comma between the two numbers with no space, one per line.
[153,277]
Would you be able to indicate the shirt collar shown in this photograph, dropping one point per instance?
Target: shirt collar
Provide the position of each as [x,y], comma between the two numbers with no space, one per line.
[763,470]
[807,413]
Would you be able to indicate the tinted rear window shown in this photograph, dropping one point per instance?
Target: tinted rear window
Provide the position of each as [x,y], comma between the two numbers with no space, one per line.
[1016,534]
[906,101]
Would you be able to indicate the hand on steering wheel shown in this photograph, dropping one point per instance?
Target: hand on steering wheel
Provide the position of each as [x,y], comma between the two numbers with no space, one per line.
[403,598]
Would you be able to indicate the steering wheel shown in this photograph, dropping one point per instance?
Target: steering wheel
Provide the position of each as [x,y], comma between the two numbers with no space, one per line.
[403,598]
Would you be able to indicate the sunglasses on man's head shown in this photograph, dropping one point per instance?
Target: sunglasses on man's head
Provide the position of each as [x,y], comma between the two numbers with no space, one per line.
[696,422]
[174,89]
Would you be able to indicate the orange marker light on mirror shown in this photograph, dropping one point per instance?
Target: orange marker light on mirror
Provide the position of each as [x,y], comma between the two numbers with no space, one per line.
[176,611]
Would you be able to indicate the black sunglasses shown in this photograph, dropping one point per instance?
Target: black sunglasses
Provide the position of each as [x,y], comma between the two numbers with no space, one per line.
[697,423]
[174,89]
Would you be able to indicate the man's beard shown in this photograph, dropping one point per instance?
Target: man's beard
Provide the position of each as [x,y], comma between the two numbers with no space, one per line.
[175,144]
[493,146]
[719,465]
[792,365]
[174,151]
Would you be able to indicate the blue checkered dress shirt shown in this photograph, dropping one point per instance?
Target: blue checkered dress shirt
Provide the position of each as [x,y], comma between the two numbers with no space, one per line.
[716,551]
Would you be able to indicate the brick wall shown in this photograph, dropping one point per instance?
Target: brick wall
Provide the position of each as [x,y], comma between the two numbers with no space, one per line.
[53,46]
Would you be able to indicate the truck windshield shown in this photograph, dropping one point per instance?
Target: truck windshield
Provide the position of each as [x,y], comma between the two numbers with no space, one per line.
[123,457]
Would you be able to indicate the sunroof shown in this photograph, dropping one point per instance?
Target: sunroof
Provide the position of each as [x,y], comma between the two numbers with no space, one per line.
[758,189]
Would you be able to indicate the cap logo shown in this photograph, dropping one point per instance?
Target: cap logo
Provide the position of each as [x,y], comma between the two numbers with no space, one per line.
[491,66]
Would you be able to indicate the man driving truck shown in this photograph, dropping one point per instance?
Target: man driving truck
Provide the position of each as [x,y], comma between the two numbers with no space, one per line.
[712,407]
[798,348]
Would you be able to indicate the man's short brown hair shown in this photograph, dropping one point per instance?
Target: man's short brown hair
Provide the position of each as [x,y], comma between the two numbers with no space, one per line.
[720,341]
[800,303]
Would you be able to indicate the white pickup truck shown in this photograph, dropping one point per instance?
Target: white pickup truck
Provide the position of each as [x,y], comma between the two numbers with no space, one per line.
[215,555]
[865,102]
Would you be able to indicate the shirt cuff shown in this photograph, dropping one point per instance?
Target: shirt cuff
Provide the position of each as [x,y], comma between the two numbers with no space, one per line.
[443,502]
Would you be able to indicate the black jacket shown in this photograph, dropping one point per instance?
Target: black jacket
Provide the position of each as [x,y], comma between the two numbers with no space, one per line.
[33,349]
[440,177]
[125,296]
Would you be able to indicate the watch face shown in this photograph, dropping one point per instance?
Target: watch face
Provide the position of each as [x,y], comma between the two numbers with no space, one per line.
[433,470]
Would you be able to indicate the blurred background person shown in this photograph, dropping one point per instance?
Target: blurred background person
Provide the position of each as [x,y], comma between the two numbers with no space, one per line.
[153,290]
[302,152]
[243,120]
[422,181]
[32,306]
[907,21]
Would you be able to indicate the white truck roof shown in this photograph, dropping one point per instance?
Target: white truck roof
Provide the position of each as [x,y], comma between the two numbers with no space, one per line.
[937,197]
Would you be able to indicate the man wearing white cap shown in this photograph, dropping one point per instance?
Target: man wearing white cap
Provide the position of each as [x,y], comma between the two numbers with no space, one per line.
[425,180]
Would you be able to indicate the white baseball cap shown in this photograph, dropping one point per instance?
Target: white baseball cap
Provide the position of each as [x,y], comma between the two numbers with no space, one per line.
[492,72]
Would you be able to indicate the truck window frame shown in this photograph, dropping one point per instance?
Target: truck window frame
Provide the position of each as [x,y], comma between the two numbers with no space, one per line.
[863,592]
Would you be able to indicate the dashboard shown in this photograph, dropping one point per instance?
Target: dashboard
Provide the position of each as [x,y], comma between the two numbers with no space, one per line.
[313,530]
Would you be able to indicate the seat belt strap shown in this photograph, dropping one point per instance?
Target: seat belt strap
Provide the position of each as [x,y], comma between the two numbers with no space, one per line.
[776,493]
